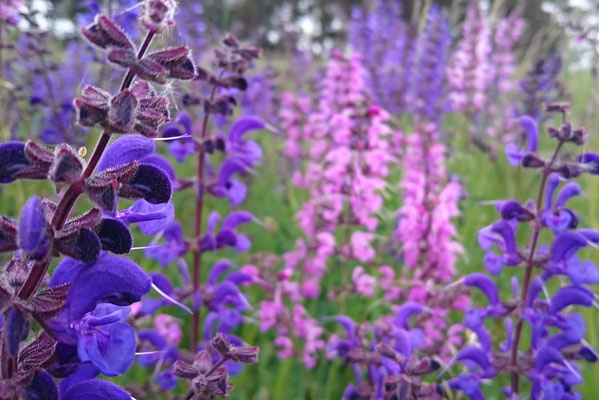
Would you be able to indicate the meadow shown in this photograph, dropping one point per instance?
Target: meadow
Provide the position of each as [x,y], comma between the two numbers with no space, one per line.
[295,161]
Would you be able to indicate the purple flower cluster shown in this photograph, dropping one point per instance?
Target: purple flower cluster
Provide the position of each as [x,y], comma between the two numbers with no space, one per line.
[555,280]
[77,320]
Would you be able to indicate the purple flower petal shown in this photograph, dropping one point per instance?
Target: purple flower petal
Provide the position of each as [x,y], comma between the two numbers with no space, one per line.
[483,283]
[217,270]
[111,278]
[569,190]
[244,125]
[125,150]
[532,134]
[96,389]
[566,245]
[33,236]
[42,387]
[514,154]
[571,295]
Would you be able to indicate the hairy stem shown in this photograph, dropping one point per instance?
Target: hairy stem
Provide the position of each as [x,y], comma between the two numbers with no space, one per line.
[197,232]
[529,267]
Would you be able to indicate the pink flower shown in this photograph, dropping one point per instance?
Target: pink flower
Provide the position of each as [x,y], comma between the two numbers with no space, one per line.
[285,347]
[363,283]
[361,249]
[168,327]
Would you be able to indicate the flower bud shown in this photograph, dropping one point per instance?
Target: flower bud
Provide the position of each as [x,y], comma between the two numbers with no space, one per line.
[67,166]
[104,32]
[33,236]
[157,15]
[122,112]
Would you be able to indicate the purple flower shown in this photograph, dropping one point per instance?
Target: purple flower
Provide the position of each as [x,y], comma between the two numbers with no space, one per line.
[174,247]
[93,318]
[249,151]
[42,387]
[227,185]
[180,149]
[515,154]
[33,236]
[227,235]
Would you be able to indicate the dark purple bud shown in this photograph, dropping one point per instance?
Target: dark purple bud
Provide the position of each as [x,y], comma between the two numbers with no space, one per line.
[17,329]
[145,130]
[67,166]
[85,246]
[104,32]
[578,136]
[553,132]
[556,107]
[202,74]
[150,183]
[150,70]
[220,144]
[249,53]
[34,238]
[122,113]
[103,192]
[570,295]
[92,107]
[157,15]
[115,236]
[246,355]
[386,351]
[424,367]
[184,370]
[16,272]
[183,71]
[566,131]
[124,57]
[531,160]
[42,386]
[221,344]
[8,234]
[240,83]
[177,61]
[173,55]
[209,146]
[512,209]
[588,354]
[230,41]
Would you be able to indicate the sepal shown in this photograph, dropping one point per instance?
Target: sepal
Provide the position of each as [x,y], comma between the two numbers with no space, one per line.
[104,32]
[67,166]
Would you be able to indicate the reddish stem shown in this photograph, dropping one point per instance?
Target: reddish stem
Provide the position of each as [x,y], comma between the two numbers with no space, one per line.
[529,267]
[197,232]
